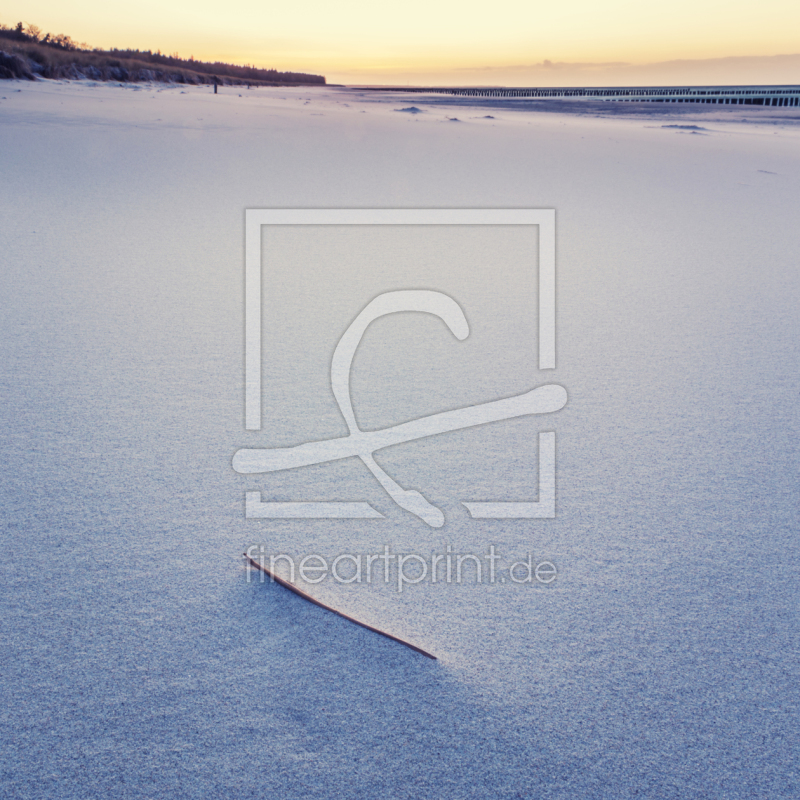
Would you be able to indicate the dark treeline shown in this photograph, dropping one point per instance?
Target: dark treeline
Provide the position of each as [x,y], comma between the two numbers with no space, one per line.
[26,52]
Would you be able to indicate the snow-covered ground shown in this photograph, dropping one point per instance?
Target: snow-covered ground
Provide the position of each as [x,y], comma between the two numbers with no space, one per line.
[138,661]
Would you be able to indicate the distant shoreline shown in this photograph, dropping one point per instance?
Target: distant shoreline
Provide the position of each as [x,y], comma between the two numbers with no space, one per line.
[778,96]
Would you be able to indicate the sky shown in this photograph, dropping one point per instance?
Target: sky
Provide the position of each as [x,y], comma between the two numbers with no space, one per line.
[460,42]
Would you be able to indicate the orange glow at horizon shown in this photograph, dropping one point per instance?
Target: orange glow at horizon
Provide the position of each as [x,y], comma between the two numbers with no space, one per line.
[357,41]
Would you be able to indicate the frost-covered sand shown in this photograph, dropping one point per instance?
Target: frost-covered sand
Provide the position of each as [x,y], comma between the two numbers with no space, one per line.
[137,660]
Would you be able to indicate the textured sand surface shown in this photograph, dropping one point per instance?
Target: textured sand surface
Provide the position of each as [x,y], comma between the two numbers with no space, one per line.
[138,662]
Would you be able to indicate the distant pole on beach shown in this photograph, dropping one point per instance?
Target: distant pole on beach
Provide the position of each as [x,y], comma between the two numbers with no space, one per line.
[216,81]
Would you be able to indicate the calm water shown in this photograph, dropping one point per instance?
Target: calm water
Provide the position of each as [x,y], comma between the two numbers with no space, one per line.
[138,661]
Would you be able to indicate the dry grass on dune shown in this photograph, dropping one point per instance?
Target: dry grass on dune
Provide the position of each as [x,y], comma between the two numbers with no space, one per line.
[26,54]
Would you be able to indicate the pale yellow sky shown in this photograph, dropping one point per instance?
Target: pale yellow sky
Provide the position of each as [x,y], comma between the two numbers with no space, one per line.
[415,41]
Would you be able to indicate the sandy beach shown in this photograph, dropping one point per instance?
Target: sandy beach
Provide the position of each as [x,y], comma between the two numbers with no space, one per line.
[141,656]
